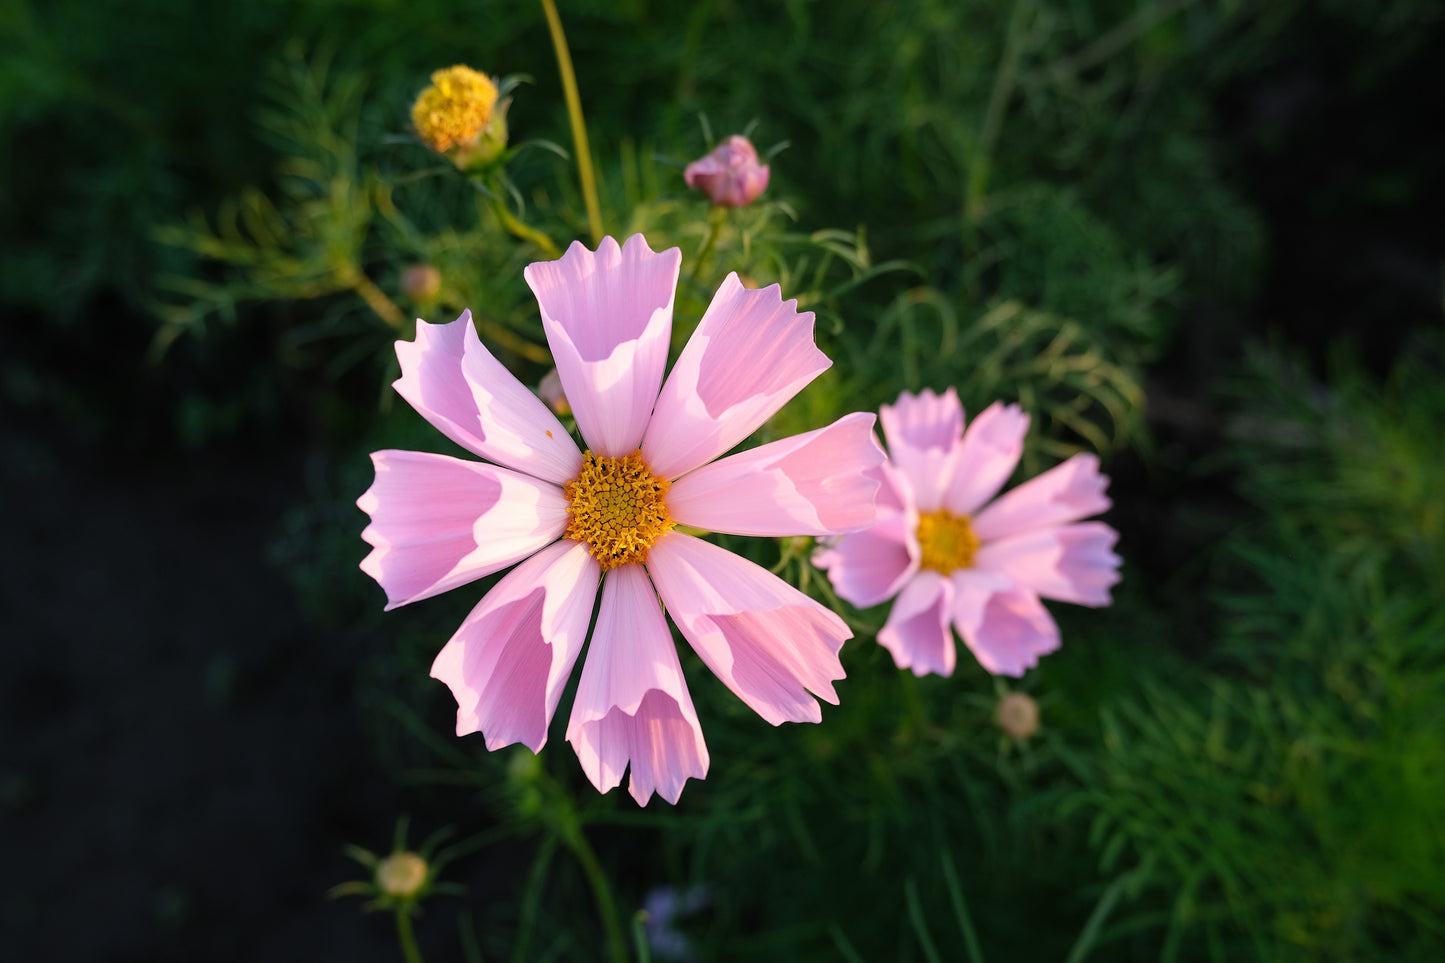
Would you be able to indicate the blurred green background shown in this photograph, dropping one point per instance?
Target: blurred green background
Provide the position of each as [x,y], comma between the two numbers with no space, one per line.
[1203,239]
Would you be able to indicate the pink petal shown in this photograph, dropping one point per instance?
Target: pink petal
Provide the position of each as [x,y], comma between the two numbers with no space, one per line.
[509,661]
[816,483]
[872,565]
[750,354]
[894,493]
[767,641]
[922,432]
[986,457]
[1065,493]
[632,703]
[924,420]
[438,522]
[469,396]
[1006,626]
[608,319]
[918,632]
[1070,563]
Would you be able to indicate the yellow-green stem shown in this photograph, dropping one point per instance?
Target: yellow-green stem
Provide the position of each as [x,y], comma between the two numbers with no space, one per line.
[716,218]
[576,841]
[579,127]
[520,230]
[376,299]
[406,937]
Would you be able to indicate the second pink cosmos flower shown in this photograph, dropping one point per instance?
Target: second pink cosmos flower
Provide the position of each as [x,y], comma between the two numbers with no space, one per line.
[606,517]
[954,557]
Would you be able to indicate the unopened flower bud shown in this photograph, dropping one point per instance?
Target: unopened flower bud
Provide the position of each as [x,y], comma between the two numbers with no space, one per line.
[401,875]
[421,282]
[1018,715]
[458,116]
[550,390]
[730,175]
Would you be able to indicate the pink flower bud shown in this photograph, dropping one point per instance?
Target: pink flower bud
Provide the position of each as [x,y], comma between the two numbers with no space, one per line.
[730,176]
[421,282]
[550,390]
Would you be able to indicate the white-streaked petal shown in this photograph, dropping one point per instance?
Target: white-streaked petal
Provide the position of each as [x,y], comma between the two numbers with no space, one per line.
[870,566]
[922,432]
[1065,493]
[923,421]
[1003,623]
[632,702]
[767,641]
[750,354]
[986,457]
[918,631]
[608,320]
[455,383]
[508,663]
[817,483]
[1070,563]
[438,522]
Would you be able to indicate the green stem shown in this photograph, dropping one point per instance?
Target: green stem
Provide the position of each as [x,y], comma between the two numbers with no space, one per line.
[573,837]
[406,937]
[716,218]
[517,228]
[1003,86]
[574,114]
[376,299]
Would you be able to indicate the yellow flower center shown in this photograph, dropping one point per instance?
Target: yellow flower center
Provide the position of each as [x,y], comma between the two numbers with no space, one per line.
[455,108]
[947,540]
[615,505]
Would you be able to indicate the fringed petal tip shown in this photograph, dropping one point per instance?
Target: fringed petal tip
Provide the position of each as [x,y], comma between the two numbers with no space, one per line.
[922,421]
[918,633]
[1065,493]
[751,353]
[1005,626]
[660,740]
[773,646]
[1068,563]
[608,319]
[632,706]
[509,661]
[986,456]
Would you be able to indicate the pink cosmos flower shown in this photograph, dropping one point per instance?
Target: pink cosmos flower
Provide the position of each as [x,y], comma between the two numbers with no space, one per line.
[730,175]
[576,520]
[955,558]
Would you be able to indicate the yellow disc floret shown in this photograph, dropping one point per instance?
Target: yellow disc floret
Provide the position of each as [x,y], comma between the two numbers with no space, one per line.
[616,506]
[947,540]
[455,109]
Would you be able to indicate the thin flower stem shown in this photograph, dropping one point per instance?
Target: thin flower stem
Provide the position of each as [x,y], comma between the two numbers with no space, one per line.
[574,114]
[374,297]
[519,229]
[716,218]
[576,841]
[406,937]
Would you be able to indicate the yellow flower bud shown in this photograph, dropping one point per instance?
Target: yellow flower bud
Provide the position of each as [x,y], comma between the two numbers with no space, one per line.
[458,115]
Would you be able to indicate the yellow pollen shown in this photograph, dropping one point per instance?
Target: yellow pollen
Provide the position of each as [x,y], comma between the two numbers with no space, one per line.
[455,108]
[615,505]
[947,540]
